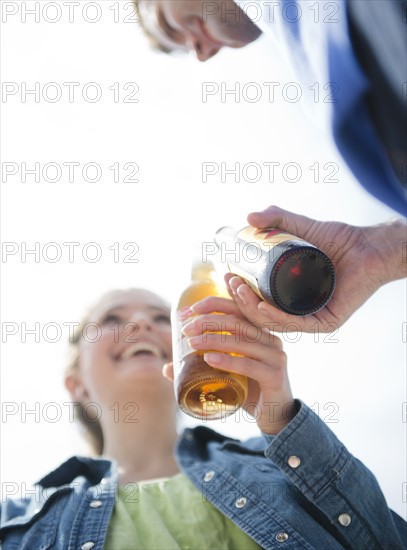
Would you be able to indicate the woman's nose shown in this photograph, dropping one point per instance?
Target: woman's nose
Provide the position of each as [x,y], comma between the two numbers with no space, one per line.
[140,322]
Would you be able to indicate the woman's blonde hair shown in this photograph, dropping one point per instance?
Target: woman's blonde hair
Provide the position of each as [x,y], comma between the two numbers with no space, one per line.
[91,428]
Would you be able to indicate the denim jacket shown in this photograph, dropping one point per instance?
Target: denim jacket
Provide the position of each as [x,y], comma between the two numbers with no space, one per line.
[299,490]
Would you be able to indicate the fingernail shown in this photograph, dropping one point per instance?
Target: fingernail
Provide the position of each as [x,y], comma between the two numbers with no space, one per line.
[194,340]
[212,357]
[195,308]
[234,283]
[184,313]
[186,327]
[242,293]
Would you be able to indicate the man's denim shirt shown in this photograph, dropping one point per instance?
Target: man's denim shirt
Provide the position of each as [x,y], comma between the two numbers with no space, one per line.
[300,490]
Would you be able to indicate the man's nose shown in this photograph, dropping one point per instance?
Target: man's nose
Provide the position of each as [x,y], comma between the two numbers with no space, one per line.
[204,49]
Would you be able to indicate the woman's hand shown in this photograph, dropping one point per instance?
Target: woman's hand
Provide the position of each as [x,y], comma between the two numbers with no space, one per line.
[259,356]
[365,258]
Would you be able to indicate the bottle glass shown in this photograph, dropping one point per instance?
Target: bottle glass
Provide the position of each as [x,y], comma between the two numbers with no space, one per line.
[202,391]
[282,269]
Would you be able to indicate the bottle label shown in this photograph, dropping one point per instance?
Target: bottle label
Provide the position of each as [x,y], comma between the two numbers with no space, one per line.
[267,238]
[181,346]
[184,348]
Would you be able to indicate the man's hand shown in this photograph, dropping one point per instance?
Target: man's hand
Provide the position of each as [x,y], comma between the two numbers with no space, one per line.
[365,258]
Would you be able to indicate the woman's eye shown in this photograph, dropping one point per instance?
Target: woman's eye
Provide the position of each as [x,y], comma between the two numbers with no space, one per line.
[162,319]
[111,319]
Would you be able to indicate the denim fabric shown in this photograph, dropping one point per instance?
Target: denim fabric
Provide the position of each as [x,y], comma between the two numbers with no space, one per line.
[291,491]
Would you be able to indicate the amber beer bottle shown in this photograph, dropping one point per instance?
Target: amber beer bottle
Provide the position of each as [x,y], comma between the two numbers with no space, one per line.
[202,391]
[285,271]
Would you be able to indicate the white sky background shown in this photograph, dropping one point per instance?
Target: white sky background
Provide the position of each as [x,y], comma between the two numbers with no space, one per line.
[358,381]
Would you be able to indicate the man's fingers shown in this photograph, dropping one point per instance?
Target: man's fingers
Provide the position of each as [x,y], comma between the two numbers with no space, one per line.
[273,216]
[268,317]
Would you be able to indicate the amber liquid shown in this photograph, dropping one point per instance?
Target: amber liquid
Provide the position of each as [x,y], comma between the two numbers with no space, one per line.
[207,393]
[202,391]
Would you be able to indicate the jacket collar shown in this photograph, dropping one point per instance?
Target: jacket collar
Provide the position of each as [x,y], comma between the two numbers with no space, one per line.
[195,442]
[93,469]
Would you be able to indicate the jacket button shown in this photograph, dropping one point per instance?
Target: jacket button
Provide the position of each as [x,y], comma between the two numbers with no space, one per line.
[293,461]
[281,537]
[96,504]
[209,475]
[87,546]
[241,502]
[344,520]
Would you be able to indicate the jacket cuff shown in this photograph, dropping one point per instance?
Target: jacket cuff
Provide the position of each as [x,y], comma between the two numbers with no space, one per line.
[308,452]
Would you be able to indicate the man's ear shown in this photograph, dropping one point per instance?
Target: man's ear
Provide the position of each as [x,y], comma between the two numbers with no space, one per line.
[74,384]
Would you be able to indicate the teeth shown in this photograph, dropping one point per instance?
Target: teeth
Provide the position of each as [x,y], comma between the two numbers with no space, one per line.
[140,346]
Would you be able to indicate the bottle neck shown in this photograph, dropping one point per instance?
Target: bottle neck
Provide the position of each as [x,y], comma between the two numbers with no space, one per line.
[203,272]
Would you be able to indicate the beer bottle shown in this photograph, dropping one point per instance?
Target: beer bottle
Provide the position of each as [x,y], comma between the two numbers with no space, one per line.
[285,271]
[202,391]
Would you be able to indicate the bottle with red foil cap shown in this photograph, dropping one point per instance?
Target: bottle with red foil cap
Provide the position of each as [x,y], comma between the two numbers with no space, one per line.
[282,269]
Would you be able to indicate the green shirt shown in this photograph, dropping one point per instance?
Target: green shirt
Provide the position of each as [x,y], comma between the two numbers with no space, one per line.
[169,514]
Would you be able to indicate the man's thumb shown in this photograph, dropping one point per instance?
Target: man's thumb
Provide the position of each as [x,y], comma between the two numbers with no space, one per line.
[273,216]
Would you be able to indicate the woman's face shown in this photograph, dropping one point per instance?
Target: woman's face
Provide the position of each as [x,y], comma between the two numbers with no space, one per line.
[126,342]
